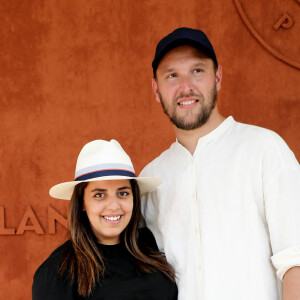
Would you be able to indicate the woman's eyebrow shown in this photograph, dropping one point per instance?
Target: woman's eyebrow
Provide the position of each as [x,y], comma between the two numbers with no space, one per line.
[98,190]
[103,190]
[124,188]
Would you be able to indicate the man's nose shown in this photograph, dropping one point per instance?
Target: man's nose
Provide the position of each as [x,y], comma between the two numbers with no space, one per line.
[185,84]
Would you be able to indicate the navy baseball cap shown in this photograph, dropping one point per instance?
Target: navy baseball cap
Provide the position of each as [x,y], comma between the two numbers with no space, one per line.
[183,36]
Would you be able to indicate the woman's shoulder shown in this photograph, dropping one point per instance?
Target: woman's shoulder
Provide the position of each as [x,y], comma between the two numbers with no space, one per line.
[146,238]
[54,260]
[48,283]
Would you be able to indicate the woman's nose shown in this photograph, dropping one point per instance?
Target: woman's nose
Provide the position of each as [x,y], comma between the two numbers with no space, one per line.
[113,203]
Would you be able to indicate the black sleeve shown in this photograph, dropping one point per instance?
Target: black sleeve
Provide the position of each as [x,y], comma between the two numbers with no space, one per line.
[49,285]
[146,239]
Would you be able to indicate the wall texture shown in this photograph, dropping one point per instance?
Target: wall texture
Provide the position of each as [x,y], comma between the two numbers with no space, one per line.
[73,71]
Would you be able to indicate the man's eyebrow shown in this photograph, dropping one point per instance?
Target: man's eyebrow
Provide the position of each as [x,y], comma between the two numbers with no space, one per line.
[168,70]
[199,64]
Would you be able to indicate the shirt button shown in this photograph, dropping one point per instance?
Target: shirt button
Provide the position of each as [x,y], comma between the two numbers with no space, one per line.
[193,196]
[196,231]
[199,267]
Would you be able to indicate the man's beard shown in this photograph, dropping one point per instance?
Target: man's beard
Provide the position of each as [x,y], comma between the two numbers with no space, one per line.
[203,115]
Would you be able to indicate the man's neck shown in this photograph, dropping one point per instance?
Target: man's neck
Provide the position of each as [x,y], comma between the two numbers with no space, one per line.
[189,138]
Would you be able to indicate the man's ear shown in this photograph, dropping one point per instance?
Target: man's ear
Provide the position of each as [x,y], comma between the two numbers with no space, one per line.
[155,90]
[219,78]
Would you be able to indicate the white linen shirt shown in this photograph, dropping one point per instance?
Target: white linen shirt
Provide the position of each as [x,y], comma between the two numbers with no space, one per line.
[227,217]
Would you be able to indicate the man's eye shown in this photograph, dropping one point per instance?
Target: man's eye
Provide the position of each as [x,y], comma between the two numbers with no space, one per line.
[198,70]
[172,75]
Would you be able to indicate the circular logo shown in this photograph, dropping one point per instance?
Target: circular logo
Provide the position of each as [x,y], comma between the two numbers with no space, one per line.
[273,24]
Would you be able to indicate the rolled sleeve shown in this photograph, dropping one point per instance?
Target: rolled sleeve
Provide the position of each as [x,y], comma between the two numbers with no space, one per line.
[285,260]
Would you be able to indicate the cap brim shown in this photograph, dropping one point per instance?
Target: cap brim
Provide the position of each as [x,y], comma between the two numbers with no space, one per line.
[65,190]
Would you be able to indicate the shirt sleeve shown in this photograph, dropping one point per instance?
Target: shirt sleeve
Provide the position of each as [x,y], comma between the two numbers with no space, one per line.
[150,207]
[49,285]
[281,183]
[286,259]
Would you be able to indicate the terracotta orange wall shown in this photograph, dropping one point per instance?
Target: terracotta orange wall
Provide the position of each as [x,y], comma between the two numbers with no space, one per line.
[73,71]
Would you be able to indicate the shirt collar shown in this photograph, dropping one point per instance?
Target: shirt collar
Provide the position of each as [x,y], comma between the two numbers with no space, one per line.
[228,122]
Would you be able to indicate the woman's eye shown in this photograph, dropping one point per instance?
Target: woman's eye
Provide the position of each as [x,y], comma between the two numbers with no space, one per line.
[99,195]
[124,194]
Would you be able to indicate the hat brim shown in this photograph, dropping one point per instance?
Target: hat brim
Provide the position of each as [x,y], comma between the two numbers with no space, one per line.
[65,190]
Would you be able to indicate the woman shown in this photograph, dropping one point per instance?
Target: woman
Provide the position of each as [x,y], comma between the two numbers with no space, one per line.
[107,255]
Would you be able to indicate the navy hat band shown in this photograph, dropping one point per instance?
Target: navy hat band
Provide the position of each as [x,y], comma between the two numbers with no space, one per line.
[101,173]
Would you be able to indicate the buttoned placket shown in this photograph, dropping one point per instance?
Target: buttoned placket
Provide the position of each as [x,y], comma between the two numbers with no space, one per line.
[194,162]
[196,222]
[197,204]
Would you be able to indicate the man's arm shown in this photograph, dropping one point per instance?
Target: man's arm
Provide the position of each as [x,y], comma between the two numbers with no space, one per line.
[291,284]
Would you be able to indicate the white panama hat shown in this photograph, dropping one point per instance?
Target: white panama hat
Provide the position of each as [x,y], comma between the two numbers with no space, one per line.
[102,160]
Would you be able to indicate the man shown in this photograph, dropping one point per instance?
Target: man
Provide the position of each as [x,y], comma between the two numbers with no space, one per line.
[228,212]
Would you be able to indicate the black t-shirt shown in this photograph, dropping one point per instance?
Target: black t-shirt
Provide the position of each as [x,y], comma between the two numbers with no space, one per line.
[121,280]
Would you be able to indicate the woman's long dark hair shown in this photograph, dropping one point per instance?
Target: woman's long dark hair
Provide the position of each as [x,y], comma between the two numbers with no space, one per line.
[84,263]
